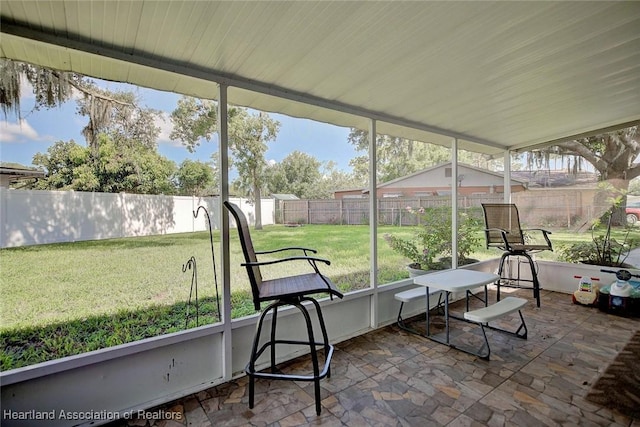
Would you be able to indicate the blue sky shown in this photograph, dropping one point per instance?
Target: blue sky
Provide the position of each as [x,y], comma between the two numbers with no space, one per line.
[38,130]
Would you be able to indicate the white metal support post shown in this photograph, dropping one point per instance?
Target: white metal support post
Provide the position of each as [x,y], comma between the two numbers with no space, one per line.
[223,172]
[373,222]
[507,176]
[454,203]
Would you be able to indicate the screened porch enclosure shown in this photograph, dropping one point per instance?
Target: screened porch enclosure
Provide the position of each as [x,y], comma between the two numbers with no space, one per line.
[534,78]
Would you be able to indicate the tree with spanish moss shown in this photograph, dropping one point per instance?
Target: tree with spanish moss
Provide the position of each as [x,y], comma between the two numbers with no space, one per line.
[121,135]
[614,156]
[117,114]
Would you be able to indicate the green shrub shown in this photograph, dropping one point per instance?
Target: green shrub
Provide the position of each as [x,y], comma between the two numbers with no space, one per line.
[431,241]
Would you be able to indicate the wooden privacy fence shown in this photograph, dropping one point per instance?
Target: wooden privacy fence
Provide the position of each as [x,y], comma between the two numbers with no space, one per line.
[551,208]
[391,211]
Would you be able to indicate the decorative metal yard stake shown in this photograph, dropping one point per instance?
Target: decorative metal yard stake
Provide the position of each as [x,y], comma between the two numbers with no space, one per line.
[191,265]
[213,257]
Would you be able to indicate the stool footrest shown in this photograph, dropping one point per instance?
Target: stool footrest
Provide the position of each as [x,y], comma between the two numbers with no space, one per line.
[294,377]
[508,281]
[320,370]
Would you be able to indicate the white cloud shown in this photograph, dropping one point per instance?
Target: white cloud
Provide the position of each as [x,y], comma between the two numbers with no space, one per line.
[166,126]
[26,89]
[17,132]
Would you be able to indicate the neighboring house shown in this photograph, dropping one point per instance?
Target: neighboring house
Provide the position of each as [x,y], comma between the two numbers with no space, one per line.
[9,175]
[285,196]
[351,193]
[436,181]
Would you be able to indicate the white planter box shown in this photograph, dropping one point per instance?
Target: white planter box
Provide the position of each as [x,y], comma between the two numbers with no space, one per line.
[564,277]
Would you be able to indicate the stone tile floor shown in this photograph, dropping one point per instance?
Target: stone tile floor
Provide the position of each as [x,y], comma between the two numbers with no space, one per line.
[389,377]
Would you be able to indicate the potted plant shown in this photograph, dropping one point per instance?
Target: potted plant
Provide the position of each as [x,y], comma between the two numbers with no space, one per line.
[429,248]
[603,249]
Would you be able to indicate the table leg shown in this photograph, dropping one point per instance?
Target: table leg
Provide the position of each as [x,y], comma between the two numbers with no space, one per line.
[486,297]
[446,314]
[427,325]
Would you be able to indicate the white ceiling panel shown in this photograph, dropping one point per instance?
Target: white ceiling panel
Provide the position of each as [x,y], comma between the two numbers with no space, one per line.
[495,75]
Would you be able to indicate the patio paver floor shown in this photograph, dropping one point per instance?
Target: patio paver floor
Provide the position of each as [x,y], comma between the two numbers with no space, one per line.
[389,377]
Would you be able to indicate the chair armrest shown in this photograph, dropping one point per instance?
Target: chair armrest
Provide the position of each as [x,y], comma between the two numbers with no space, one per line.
[292,248]
[537,229]
[545,234]
[311,260]
[503,233]
[501,230]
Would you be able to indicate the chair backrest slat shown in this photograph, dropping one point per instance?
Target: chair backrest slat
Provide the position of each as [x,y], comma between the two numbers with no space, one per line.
[502,216]
[255,277]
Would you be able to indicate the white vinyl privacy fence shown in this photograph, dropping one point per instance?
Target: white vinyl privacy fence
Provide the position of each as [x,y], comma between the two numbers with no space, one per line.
[38,217]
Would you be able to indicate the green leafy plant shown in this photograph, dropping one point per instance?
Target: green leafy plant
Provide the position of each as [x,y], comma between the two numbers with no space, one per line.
[603,249]
[430,244]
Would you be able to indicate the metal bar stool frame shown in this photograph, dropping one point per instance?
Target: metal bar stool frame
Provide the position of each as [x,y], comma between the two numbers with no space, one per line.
[287,291]
[503,231]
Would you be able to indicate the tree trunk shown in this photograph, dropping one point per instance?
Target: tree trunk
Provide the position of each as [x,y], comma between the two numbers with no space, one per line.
[258,203]
[608,199]
[621,186]
[612,154]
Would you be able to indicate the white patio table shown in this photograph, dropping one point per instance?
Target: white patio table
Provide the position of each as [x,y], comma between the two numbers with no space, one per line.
[449,281]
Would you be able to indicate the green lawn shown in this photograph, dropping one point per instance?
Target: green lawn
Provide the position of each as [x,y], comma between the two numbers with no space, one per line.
[62,282]
[64,299]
